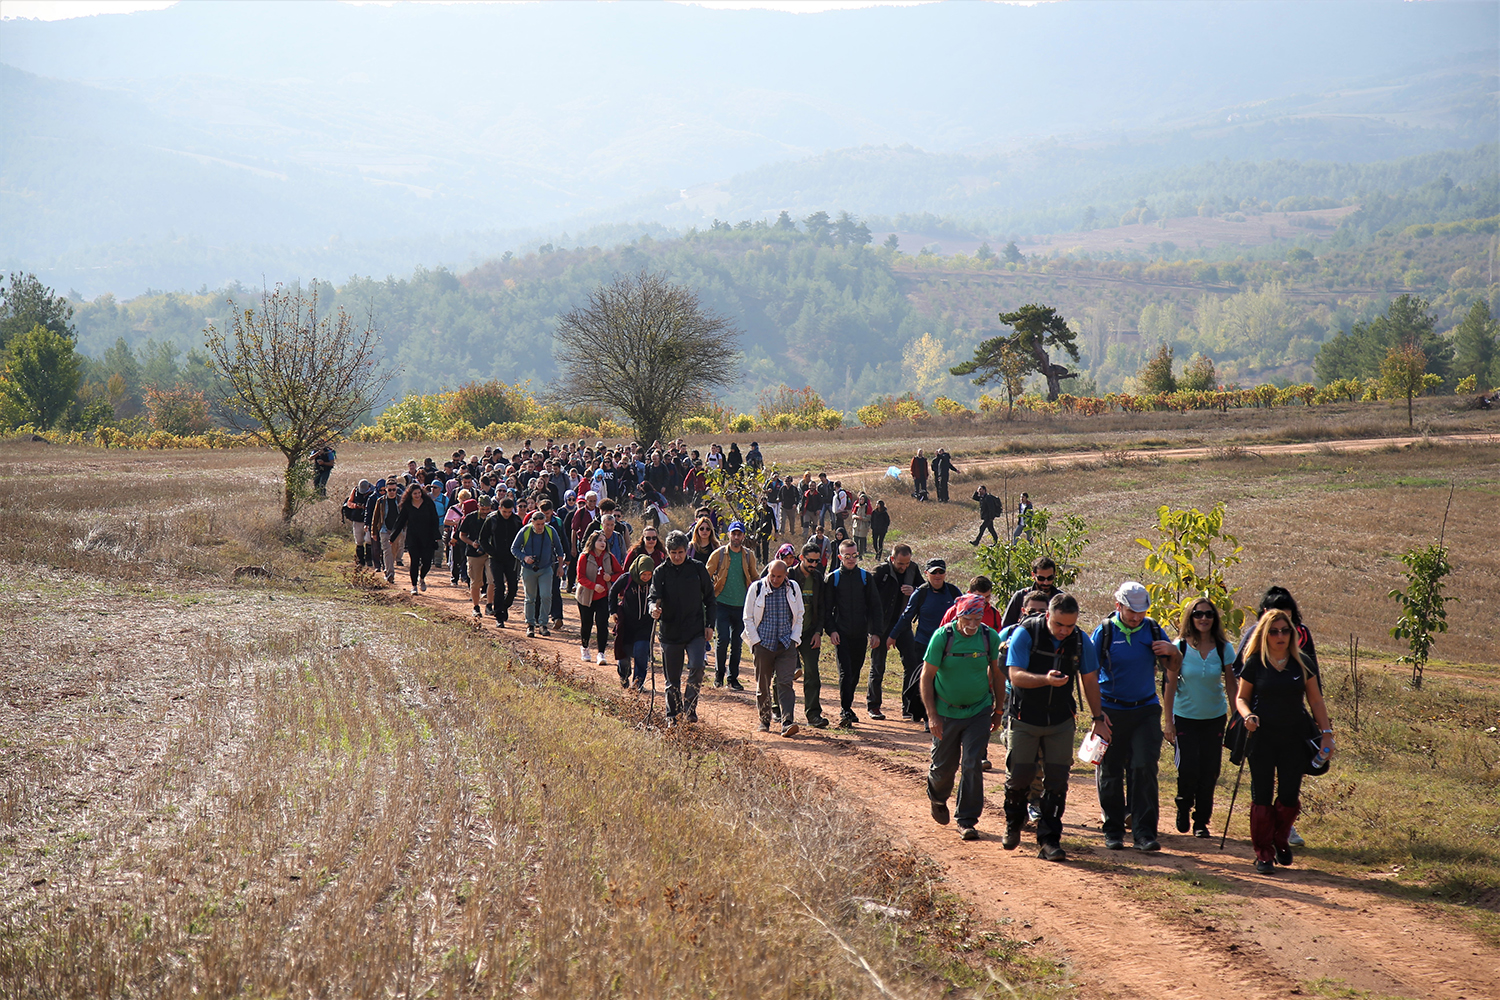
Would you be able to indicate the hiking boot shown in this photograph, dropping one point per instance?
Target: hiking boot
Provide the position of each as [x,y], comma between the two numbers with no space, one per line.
[847,720]
[1012,838]
[624,683]
[875,713]
[734,684]
[1052,852]
[1201,832]
[940,812]
[1148,846]
[797,676]
[546,632]
[1184,810]
[1264,867]
[818,723]
[790,729]
[531,631]
[692,716]
[1284,856]
[967,833]
[1114,843]
[764,726]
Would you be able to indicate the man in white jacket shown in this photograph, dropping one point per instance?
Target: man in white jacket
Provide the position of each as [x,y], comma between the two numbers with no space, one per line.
[773,627]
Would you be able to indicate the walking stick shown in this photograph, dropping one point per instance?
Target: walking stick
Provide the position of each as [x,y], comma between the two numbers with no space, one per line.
[1233,795]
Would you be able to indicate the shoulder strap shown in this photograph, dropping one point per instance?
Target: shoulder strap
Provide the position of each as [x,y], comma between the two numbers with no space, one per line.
[948,642]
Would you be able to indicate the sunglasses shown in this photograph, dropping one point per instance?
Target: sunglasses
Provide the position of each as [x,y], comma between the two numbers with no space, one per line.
[1278,631]
[1204,614]
[1045,579]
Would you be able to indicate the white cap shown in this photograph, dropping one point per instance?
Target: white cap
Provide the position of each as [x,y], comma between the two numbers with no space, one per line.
[1133,596]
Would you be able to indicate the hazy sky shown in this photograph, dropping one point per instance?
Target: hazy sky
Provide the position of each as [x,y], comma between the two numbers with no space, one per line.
[56,10]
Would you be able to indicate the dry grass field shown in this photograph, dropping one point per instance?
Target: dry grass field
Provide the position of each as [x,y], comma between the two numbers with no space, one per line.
[292,787]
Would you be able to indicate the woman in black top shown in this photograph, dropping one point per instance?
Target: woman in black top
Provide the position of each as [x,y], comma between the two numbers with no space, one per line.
[880,523]
[1275,680]
[418,517]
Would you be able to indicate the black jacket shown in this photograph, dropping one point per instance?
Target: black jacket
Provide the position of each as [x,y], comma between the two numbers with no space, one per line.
[685,595]
[497,533]
[880,520]
[889,583]
[1017,601]
[424,531]
[989,505]
[853,603]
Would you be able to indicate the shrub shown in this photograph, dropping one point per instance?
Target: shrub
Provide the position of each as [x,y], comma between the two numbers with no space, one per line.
[1467,385]
[699,425]
[830,420]
[480,403]
[179,410]
[804,402]
[742,424]
[951,408]
[871,416]
[461,430]
[782,422]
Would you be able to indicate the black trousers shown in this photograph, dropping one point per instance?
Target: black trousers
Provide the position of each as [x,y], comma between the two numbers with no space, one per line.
[988,524]
[911,680]
[875,693]
[852,649]
[421,562]
[1200,749]
[877,539]
[1134,748]
[1278,760]
[591,615]
[941,482]
[507,576]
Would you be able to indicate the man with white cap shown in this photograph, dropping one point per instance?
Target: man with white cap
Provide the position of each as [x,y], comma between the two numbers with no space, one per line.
[1129,645]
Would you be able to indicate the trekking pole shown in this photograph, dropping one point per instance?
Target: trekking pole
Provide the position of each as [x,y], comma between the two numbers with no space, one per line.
[1235,794]
[651,659]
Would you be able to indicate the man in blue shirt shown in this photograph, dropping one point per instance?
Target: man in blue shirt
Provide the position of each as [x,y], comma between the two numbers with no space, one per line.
[1129,644]
[1044,657]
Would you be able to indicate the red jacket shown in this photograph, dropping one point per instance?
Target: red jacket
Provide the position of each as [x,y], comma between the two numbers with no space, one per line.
[596,570]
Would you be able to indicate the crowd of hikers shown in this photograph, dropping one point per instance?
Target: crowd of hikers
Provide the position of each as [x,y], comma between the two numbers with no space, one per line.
[558,519]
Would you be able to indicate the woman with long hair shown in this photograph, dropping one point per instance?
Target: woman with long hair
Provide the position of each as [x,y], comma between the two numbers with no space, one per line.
[649,545]
[630,606]
[1274,682]
[597,568]
[1196,702]
[703,541]
[418,517]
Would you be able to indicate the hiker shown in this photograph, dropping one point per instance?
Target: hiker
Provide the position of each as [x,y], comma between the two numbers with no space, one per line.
[1023,516]
[924,610]
[458,562]
[495,536]
[764,530]
[649,545]
[733,461]
[1034,604]
[323,459]
[773,627]
[682,602]
[840,505]
[733,568]
[808,575]
[1129,644]
[541,554]
[481,588]
[853,623]
[942,468]
[565,554]
[984,587]
[753,458]
[1043,578]
[1275,681]
[826,489]
[791,503]
[418,519]
[919,475]
[895,580]
[962,693]
[354,513]
[1045,655]
[1195,708]
[859,514]
[989,509]
[597,569]
[880,523]
[629,607]
[387,510]
[704,542]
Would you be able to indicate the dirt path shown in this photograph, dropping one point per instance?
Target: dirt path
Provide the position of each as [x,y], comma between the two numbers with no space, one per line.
[1183,454]
[1128,924]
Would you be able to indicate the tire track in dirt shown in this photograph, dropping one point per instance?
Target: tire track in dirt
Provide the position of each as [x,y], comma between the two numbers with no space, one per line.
[1262,937]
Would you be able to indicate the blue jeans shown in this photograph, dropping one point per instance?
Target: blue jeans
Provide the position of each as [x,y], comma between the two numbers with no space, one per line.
[538,584]
[729,628]
[635,661]
[683,697]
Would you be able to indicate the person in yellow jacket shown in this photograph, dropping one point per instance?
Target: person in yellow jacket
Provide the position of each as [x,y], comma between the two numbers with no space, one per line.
[733,568]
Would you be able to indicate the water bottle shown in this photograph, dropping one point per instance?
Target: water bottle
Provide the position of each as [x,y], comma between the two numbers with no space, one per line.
[1323,754]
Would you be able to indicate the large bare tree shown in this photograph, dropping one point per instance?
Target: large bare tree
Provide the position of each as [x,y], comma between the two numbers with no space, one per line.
[296,379]
[647,348]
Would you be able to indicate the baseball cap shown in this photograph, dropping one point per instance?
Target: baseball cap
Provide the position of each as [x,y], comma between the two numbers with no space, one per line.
[933,564]
[737,526]
[1133,596]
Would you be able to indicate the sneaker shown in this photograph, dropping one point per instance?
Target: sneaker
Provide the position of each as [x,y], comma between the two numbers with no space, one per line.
[718,683]
[1264,867]
[790,729]
[763,726]
[638,686]
[1052,852]
[602,661]
[624,683]
[985,765]
[1294,838]
[734,685]
[847,720]
[876,714]
[531,631]
[692,716]
[546,632]
[1148,846]
[1284,857]
[819,723]
[477,612]
[940,812]
[1184,811]
[967,833]
[499,624]
[1012,837]
[584,652]
[489,609]
[1114,843]
[414,590]
[423,584]
[797,675]
[1201,832]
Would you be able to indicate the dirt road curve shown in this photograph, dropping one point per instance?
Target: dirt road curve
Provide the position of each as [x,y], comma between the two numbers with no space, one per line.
[1259,937]
[1182,454]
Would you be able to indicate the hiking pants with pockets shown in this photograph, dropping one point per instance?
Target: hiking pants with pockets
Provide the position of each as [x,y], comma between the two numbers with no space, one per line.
[1133,755]
[965,743]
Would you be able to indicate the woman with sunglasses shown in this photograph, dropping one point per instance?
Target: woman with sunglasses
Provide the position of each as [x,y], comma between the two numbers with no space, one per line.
[649,545]
[703,542]
[1196,706]
[1274,682]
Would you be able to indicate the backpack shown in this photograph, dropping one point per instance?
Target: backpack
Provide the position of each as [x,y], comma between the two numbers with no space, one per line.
[1107,639]
[864,575]
[989,656]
